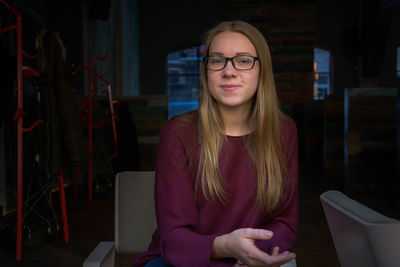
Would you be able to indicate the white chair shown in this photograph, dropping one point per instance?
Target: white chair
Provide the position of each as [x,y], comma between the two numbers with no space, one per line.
[362,236]
[135,219]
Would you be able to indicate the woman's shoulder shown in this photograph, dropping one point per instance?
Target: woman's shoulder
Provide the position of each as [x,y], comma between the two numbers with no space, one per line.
[181,125]
[288,124]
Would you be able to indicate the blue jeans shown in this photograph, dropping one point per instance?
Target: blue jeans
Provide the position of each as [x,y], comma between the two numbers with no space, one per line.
[156,262]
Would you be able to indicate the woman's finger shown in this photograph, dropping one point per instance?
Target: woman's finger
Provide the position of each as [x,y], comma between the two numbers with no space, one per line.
[255,233]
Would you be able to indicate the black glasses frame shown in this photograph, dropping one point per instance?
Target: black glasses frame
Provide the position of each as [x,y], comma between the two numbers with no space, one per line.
[205,60]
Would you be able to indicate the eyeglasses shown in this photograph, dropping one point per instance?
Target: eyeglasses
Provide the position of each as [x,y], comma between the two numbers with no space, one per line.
[238,62]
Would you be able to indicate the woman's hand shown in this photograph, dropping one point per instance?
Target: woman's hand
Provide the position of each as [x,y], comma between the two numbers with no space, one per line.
[240,244]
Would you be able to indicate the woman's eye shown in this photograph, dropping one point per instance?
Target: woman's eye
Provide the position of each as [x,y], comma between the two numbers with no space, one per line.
[216,60]
[243,60]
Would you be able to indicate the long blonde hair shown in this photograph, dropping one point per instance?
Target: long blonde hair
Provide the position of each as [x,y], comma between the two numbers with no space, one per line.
[264,144]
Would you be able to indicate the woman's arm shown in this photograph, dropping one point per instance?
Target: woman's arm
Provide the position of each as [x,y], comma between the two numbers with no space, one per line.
[176,207]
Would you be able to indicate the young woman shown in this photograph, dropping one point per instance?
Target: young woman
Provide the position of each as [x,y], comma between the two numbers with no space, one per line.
[226,175]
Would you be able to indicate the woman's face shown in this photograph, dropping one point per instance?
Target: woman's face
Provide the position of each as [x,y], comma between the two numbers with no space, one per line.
[232,88]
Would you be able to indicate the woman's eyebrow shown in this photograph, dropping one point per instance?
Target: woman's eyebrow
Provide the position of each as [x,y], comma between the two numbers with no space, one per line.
[237,54]
[217,54]
[243,53]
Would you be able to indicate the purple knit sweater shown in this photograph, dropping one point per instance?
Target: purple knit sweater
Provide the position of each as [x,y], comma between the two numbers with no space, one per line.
[188,224]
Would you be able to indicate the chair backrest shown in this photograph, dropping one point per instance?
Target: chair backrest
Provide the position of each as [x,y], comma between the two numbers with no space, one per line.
[135,219]
[362,236]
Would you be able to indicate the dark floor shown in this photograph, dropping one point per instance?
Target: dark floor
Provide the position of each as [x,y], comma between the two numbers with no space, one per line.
[92,221]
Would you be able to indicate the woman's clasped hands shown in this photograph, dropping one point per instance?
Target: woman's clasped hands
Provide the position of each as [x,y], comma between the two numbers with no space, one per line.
[240,244]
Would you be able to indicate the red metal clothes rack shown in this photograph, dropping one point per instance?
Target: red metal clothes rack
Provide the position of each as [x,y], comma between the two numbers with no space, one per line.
[19,118]
[63,208]
[93,87]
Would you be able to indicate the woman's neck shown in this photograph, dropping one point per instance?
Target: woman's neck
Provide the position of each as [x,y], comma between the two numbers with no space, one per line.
[235,120]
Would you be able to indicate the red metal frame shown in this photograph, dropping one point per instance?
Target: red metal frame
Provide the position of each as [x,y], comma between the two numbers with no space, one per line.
[19,118]
[93,87]
[63,208]
[28,71]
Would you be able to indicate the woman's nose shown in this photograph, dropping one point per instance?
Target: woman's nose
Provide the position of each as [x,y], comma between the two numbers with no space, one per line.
[229,69]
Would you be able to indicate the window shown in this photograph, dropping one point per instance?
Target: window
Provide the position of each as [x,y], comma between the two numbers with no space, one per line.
[184,82]
[322,73]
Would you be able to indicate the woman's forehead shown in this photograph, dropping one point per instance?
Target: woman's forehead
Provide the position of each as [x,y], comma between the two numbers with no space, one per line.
[232,43]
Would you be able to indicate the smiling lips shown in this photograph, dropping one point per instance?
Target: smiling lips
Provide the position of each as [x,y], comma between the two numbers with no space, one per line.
[230,87]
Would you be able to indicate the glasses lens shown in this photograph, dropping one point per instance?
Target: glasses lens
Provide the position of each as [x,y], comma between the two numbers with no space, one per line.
[215,63]
[243,62]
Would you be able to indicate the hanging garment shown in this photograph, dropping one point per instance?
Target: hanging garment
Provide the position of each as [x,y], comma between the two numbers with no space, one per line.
[63,138]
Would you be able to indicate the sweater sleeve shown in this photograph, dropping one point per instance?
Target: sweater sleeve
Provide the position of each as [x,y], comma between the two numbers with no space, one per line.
[176,208]
[283,223]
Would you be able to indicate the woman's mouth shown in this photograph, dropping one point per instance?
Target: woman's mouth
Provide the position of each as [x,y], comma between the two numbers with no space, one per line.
[230,87]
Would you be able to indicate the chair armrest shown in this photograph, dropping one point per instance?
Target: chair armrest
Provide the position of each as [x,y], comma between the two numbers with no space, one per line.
[102,256]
